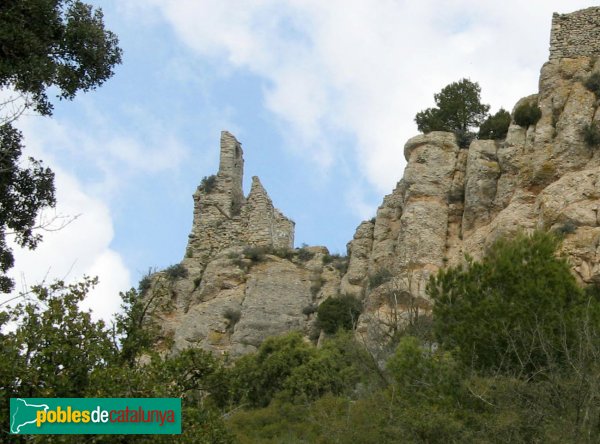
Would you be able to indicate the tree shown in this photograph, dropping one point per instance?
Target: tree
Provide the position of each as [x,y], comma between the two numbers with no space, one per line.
[495,127]
[59,43]
[516,311]
[459,110]
[23,191]
[341,312]
[58,350]
[44,44]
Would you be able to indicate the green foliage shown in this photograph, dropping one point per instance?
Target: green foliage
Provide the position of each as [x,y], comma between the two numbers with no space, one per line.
[208,183]
[54,43]
[256,378]
[57,350]
[304,254]
[145,283]
[459,110]
[338,313]
[309,309]
[418,372]
[25,188]
[379,277]
[592,83]
[567,228]
[495,127]
[528,113]
[284,253]
[59,44]
[177,271]
[337,261]
[591,135]
[135,326]
[513,310]
[233,315]
[255,254]
[55,346]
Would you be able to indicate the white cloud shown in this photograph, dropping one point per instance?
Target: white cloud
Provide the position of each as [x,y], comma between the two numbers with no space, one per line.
[80,248]
[366,68]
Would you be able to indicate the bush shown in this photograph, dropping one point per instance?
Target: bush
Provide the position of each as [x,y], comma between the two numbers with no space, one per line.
[379,278]
[208,183]
[176,271]
[309,309]
[459,109]
[593,84]
[255,254]
[304,254]
[527,114]
[145,284]
[233,315]
[567,228]
[591,135]
[338,313]
[514,311]
[495,127]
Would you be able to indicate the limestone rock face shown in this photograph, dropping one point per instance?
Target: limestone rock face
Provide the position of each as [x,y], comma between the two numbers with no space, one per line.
[452,201]
[449,202]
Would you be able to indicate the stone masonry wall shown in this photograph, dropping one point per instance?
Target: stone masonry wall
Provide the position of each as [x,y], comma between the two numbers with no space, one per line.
[223,217]
[576,34]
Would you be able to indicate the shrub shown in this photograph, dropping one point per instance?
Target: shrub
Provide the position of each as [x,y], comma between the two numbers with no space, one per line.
[176,271]
[567,228]
[591,135]
[495,127]
[338,313]
[145,284]
[197,282]
[459,109]
[379,278]
[208,183]
[316,285]
[527,114]
[255,254]
[304,254]
[515,311]
[464,138]
[284,253]
[309,309]
[341,264]
[593,84]
[233,315]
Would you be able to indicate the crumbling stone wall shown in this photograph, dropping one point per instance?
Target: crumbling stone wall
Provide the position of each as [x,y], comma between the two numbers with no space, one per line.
[576,34]
[223,217]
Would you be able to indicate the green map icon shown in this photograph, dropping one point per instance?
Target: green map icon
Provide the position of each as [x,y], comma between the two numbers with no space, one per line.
[23,414]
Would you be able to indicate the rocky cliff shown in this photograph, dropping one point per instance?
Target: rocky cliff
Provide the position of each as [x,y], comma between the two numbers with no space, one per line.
[450,202]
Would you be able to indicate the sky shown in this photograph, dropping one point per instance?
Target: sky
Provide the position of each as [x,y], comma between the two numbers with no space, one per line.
[322,96]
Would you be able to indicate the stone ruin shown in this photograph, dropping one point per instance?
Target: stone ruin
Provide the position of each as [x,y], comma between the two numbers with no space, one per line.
[223,217]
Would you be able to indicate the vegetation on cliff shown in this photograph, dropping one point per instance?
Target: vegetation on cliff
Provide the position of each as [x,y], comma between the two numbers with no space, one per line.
[515,361]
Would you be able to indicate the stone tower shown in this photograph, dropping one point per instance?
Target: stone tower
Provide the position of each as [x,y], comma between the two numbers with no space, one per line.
[223,217]
[576,34]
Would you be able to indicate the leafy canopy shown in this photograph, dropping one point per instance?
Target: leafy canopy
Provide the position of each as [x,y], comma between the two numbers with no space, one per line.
[515,311]
[495,127]
[459,110]
[59,43]
[44,44]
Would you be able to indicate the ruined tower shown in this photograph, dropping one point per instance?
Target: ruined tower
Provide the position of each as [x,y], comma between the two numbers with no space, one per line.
[576,34]
[223,217]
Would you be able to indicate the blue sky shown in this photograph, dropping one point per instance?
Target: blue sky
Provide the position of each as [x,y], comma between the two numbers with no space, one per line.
[322,96]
